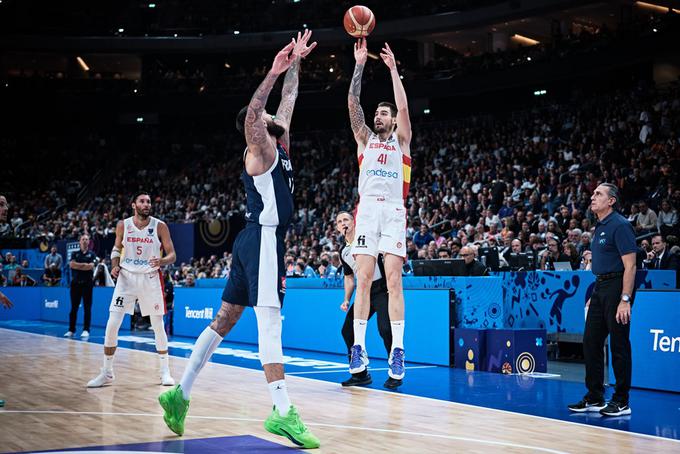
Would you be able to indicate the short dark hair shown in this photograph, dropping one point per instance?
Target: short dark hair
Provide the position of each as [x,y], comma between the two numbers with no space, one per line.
[393,108]
[138,193]
[613,192]
[241,120]
[345,212]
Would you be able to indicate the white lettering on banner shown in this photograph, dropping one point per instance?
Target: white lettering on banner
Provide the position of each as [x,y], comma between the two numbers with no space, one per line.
[202,314]
[665,343]
[240,353]
[52,304]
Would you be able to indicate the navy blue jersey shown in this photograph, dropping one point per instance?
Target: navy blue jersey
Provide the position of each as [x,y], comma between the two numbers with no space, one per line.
[269,197]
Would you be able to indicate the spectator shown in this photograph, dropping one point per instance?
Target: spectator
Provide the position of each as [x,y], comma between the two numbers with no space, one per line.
[423,236]
[646,220]
[326,269]
[572,254]
[443,253]
[52,275]
[661,258]
[303,269]
[472,266]
[22,280]
[552,255]
[54,258]
[667,220]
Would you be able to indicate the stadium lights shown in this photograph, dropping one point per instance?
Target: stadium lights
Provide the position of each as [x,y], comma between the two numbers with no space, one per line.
[227,65]
[540,92]
[236,32]
[121,30]
[82,64]
[657,8]
[175,35]
[330,70]
[426,111]
[524,40]
[152,5]
[140,119]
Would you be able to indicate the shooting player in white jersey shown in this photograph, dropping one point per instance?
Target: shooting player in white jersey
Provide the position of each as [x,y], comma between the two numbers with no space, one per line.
[135,262]
[384,156]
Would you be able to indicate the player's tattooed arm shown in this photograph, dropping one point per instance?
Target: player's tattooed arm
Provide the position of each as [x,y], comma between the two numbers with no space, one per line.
[289,94]
[256,133]
[356,113]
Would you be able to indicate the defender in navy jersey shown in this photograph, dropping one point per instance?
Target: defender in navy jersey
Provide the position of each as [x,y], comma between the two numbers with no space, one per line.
[257,276]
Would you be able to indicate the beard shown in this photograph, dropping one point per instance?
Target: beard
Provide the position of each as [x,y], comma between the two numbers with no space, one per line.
[275,130]
[142,215]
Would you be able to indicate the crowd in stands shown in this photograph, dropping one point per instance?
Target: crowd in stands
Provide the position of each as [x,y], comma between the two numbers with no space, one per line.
[520,181]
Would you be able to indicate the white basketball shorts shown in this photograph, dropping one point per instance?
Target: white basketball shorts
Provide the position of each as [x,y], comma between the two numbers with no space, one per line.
[143,288]
[380,227]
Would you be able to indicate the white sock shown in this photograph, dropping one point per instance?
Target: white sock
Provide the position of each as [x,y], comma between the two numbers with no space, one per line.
[163,360]
[360,333]
[204,347]
[398,334]
[279,393]
[108,363]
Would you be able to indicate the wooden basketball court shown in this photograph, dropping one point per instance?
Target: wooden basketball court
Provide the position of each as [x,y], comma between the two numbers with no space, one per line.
[43,380]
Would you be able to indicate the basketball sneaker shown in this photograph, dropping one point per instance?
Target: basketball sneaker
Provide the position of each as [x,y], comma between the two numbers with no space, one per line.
[360,379]
[291,427]
[105,377]
[358,359]
[586,406]
[68,334]
[166,378]
[615,409]
[175,408]
[85,334]
[396,363]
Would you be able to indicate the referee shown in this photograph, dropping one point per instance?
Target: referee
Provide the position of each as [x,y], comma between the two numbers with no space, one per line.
[82,264]
[613,249]
[345,225]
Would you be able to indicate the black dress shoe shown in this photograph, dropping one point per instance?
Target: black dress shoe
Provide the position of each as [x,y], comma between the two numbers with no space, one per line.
[360,379]
[392,383]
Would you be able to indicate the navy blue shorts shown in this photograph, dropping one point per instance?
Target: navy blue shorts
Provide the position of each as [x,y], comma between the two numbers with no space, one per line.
[258,273]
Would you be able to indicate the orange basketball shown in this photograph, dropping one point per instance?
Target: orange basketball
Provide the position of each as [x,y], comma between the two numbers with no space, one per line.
[359,21]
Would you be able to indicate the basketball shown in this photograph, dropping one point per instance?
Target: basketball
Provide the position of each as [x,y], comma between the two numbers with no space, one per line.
[359,21]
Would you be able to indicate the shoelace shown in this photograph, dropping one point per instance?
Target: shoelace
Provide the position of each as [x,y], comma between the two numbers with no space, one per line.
[398,358]
[356,356]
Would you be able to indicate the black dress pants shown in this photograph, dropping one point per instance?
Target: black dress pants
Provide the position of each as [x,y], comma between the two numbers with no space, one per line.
[379,305]
[600,323]
[80,291]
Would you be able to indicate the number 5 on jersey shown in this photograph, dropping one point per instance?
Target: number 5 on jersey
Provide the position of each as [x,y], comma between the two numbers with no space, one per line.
[382,158]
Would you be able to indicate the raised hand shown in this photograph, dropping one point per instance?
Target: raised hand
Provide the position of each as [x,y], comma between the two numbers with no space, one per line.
[301,48]
[284,58]
[360,51]
[5,301]
[388,57]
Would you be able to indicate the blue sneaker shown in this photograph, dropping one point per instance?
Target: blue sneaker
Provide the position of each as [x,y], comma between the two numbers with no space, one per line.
[358,360]
[396,363]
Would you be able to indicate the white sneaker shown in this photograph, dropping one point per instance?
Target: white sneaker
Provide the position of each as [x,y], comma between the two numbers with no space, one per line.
[68,334]
[166,378]
[85,334]
[105,377]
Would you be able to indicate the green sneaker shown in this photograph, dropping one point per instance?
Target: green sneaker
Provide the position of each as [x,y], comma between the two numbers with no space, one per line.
[291,427]
[175,407]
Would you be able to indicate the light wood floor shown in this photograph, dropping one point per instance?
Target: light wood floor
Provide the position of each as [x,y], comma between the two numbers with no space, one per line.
[48,407]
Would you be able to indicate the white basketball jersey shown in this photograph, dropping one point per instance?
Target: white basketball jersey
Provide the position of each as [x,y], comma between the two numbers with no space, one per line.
[384,170]
[140,246]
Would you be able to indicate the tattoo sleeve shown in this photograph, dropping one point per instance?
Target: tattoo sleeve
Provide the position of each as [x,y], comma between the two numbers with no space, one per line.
[255,130]
[289,93]
[356,113]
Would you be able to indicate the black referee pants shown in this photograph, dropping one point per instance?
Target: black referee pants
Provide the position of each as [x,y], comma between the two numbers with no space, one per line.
[600,323]
[80,291]
[378,305]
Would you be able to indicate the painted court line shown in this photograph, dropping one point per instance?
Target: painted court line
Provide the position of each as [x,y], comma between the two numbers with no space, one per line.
[370,370]
[398,395]
[333,426]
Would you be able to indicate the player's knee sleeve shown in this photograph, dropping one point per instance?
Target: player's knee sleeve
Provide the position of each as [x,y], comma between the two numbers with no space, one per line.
[159,331]
[269,334]
[112,327]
